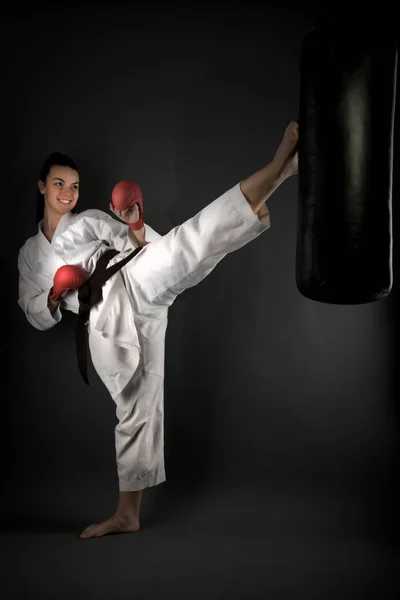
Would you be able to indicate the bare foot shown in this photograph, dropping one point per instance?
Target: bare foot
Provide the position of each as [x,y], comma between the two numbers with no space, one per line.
[115,524]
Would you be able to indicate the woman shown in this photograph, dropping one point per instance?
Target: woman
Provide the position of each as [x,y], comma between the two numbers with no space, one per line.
[126,329]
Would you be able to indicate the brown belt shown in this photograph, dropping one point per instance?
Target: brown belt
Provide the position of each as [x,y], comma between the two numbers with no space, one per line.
[89,295]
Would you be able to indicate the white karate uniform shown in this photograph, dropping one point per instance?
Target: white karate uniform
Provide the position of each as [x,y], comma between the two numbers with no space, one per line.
[127,328]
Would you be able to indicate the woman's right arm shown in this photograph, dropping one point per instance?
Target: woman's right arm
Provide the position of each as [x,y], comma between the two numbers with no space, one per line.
[39,310]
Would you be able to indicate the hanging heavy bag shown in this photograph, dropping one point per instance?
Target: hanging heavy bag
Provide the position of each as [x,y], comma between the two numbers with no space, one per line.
[345,152]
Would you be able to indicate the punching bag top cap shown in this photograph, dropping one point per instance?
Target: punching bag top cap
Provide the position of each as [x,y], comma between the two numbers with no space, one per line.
[361,41]
[376,30]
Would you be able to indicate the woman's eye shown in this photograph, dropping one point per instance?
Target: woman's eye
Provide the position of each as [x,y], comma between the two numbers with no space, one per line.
[58,183]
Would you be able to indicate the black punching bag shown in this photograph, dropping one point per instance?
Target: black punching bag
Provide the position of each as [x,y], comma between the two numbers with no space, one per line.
[345,151]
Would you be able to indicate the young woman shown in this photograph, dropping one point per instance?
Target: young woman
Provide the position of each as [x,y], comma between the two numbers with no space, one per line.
[126,329]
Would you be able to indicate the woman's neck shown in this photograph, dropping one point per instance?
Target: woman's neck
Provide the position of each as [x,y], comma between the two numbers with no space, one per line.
[49,225]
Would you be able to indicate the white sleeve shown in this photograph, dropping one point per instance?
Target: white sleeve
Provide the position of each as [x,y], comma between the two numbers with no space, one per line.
[33,300]
[116,233]
[89,231]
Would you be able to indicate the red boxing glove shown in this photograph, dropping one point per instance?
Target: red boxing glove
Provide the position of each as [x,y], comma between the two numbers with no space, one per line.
[68,277]
[125,195]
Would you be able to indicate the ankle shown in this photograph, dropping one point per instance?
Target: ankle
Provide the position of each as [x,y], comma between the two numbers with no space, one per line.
[127,515]
[129,504]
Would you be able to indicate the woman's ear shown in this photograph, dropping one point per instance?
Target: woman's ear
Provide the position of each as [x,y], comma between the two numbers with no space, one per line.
[41,186]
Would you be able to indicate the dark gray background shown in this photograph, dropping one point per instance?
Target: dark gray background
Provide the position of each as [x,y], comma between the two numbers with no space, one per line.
[282,420]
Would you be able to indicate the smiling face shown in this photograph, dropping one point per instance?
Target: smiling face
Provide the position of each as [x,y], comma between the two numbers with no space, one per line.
[60,190]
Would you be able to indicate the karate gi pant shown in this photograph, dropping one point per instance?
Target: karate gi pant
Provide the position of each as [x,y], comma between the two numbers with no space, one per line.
[153,279]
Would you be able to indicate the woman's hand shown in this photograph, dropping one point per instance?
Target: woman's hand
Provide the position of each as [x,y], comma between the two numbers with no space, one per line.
[130,216]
